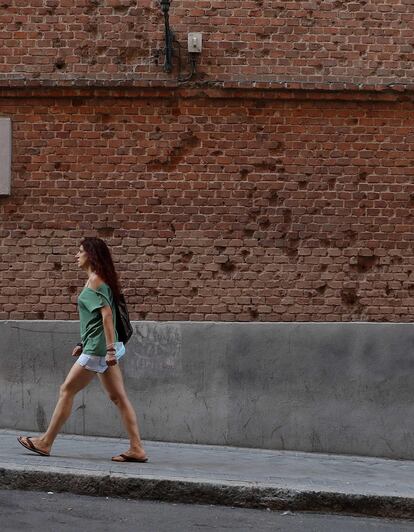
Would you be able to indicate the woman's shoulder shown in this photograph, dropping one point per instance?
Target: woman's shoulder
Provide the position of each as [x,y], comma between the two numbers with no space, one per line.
[96,282]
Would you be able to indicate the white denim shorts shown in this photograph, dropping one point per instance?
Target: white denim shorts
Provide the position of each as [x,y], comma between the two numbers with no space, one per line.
[98,364]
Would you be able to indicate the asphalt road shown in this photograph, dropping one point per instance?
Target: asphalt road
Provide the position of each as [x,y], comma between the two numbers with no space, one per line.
[65,512]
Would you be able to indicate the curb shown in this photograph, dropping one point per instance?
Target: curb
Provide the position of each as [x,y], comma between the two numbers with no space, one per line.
[242,495]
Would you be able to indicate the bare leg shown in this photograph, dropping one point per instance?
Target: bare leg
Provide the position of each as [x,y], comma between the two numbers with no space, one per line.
[113,383]
[77,378]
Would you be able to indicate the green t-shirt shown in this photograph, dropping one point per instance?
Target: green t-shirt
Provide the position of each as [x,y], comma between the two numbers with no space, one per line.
[91,325]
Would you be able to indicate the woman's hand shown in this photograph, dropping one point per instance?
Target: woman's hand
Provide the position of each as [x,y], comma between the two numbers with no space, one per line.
[111,359]
[77,351]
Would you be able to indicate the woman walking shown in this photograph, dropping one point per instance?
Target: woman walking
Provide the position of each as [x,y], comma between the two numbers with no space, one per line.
[98,354]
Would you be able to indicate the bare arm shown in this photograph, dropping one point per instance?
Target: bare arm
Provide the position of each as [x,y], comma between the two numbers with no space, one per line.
[108,326]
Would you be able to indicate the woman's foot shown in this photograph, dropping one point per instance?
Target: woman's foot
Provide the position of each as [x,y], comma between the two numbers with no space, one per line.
[37,445]
[131,455]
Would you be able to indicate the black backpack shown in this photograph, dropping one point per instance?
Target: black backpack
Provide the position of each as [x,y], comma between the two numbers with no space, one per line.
[123,323]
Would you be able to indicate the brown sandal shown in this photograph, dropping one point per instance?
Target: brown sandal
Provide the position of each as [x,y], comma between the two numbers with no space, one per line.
[127,458]
[31,447]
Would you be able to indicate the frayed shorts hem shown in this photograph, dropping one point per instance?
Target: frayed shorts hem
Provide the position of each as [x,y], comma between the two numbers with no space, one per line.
[98,364]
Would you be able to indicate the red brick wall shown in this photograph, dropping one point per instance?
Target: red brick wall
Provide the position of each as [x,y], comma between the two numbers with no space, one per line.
[276,185]
[365,42]
[270,208]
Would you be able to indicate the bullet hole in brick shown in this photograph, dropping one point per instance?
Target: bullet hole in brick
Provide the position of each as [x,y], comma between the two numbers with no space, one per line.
[143,315]
[264,223]
[254,213]
[323,267]
[91,27]
[228,266]
[186,256]
[387,290]
[248,232]
[156,57]
[92,5]
[172,227]
[159,163]
[411,200]
[244,172]
[215,153]
[153,291]
[321,288]
[364,263]
[101,50]
[287,216]
[350,233]
[263,35]
[57,266]
[349,296]
[105,118]
[220,249]
[83,51]
[253,313]
[291,247]
[120,8]
[396,259]
[302,184]
[57,165]
[156,135]
[245,252]
[266,166]
[308,22]
[276,147]
[108,134]
[273,198]
[331,183]
[291,251]
[194,291]
[72,289]
[5,5]
[60,64]
[106,231]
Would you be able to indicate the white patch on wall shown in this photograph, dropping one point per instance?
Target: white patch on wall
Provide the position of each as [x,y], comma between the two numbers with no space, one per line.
[5,156]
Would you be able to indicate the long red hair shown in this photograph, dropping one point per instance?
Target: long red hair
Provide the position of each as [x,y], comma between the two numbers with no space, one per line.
[101,262]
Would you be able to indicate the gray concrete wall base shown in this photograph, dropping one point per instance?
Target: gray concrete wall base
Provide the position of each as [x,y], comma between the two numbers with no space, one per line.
[323,387]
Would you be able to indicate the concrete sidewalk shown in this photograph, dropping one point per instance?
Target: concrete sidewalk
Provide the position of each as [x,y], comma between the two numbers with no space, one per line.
[254,478]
